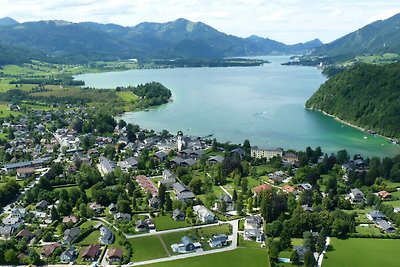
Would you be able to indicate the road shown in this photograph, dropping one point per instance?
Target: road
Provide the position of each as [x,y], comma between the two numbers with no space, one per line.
[232,246]
[321,256]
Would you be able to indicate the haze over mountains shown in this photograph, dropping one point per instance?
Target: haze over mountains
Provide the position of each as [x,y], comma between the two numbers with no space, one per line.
[379,37]
[181,38]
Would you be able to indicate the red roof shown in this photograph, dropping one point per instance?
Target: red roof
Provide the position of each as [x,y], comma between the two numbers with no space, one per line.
[287,188]
[262,187]
[47,250]
[384,194]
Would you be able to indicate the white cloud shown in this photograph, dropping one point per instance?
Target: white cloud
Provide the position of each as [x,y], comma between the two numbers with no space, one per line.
[289,21]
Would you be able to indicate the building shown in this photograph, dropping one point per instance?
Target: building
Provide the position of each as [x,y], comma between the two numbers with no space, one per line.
[187,245]
[253,235]
[218,241]
[182,193]
[178,215]
[69,255]
[70,235]
[114,255]
[262,187]
[25,172]
[356,196]
[106,236]
[203,214]
[375,215]
[106,166]
[71,219]
[91,253]
[385,226]
[122,216]
[216,159]
[253,222]
[24,233]
[266,153]
[47,250]
[6,231]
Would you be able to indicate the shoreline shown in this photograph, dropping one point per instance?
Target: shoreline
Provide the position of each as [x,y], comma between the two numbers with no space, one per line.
[350,124]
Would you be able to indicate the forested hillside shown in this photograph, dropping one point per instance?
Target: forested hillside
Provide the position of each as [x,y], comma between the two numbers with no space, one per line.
[365,95]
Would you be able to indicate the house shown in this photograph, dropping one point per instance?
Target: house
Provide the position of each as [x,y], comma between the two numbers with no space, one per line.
[141,226]
[187,245]
[12,222]
[160,156]
[18,213]
[307,208]
[42,205]
[290,157]
[6,231]
[253,222]
[25,172]
[385,226]
[228,201]
[182,193]
[375,215]
[301,251]
[288,189]
[132,162]
[106,236]
[96,207]
[70,235]
[304,187]
[167,174]
[267,153]
[154,202]
[216,159]
[106,166]
[356,195]
[176,161]
[396,210]
[71,219]
[69,255]
[254,235]
[24,233]
[47,250]
[203,214]
[178,215]
[122,216]
[218,241]
[91,253]
[112,208]
[167,182]
[188,162]
[384,195]
[114,255]
[262,187]
[239,152]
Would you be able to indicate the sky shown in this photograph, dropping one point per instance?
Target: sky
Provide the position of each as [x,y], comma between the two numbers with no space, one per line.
[288,21]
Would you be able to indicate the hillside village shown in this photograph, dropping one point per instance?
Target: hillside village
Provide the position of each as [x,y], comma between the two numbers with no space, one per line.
[74,190]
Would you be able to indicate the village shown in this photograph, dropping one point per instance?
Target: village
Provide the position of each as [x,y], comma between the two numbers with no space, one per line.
[122,195]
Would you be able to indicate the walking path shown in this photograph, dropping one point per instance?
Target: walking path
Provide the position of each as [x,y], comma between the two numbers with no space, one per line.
[163,244]
[321,256]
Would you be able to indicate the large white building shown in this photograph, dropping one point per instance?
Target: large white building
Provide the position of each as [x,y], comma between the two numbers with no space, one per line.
[267,153]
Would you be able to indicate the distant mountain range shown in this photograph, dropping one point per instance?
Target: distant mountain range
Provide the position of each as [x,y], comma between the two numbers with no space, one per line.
[87,41]
[382,36]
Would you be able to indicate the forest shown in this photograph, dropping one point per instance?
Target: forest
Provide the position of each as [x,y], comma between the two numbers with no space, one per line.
[364,95]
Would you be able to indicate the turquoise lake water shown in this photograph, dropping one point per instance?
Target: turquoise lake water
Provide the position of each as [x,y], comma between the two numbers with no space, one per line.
[263,104]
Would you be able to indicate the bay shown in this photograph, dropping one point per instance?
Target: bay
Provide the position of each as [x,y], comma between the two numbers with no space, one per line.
[264,104]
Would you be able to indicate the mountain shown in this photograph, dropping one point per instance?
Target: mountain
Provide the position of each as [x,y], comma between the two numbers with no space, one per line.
[16,55]
[365,95]
[88,41]
[379,37]
[7,21]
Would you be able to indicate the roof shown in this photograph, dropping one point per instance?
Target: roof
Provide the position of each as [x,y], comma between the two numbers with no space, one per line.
[376,214]
[47,250]
[189,162]
[217,158]
[91,251]
[384,225]
[258,189]
[219,238]
[178,187]
[177,213]
[25,233]
[107,164]
[240,151]
[185,195]
[131,161]
[106,235]
[356,191]
[114,253]
[288,188]
[186,240]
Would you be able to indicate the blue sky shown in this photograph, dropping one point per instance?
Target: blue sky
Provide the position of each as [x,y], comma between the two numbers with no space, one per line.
[289,21]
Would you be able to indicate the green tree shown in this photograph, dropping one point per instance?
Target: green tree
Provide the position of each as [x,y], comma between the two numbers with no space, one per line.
[161,194]
[309,260]
[168,202]
[294,258]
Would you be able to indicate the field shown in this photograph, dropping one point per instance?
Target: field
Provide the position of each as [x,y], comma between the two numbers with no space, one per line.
[5,111]
[93,238]
[362,252]
[127,96]
[166,222]
[237,258]
[147,248]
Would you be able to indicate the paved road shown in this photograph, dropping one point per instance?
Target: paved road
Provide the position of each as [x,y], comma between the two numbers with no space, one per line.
[232,246]
[321,256]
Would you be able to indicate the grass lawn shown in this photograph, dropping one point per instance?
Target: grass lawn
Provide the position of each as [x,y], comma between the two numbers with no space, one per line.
[93,238]
[5,111]
[237,258]
[147,248]
[362,252]
[368,230]
[127,96]
[166,222]
[264,169]
[247,244]
[87,224]
[68,188]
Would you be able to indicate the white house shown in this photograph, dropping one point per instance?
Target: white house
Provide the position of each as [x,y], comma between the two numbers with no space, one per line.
[203,214]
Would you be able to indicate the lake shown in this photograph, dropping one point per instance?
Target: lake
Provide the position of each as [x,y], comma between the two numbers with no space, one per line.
[264,104]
